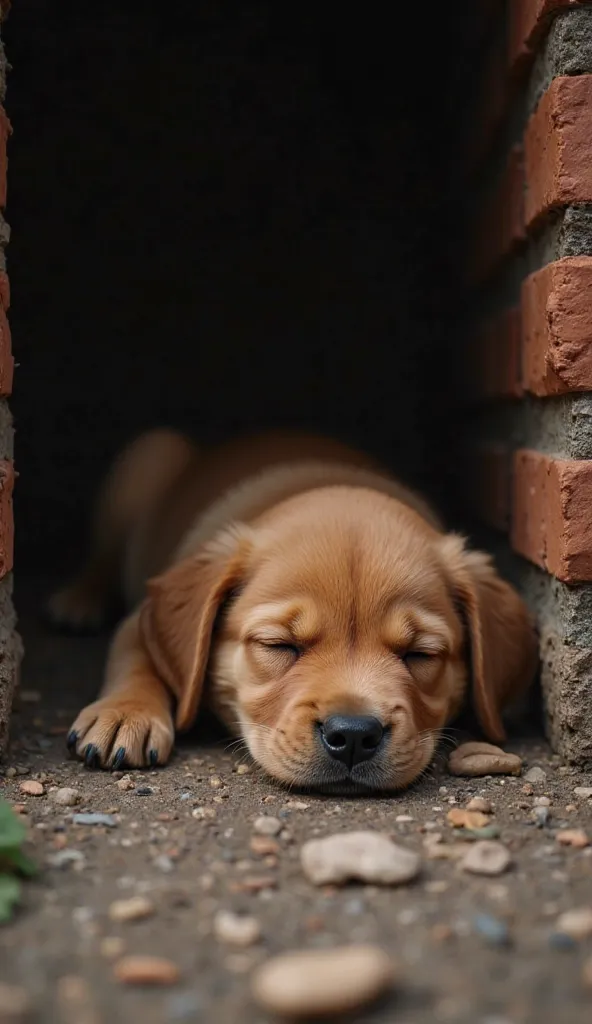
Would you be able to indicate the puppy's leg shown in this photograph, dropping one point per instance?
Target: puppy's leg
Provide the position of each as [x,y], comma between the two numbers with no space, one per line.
[136,482]
[131,723]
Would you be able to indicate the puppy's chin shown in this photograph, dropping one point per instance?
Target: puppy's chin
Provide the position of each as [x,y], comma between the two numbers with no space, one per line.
[308,770]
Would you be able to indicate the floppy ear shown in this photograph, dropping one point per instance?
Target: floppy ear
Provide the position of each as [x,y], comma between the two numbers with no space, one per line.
[178,616]
[502,640]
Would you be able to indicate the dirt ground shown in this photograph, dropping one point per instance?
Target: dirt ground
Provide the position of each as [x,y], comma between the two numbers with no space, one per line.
[471,949]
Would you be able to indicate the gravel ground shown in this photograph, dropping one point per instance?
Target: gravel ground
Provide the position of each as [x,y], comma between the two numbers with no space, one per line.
[470,949]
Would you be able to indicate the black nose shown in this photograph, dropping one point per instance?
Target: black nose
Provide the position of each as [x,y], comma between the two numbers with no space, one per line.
[351,738]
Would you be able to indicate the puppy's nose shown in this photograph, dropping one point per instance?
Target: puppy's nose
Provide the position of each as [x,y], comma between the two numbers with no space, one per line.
[351,739]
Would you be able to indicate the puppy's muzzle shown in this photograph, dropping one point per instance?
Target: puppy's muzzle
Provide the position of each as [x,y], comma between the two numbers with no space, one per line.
[351,739]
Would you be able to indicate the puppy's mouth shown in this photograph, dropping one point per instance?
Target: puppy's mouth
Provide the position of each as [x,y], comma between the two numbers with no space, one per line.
[336,779]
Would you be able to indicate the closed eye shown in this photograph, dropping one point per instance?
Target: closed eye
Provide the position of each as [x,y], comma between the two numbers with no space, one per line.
[419,655]
[281,646]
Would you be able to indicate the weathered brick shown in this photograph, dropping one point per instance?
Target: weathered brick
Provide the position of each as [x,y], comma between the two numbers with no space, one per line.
[502,225]
[528,21]
[557,327]
[6,517]
[557,160]
[551,521]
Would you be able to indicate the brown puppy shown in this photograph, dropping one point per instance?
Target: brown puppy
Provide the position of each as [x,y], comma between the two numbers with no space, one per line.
[309,598]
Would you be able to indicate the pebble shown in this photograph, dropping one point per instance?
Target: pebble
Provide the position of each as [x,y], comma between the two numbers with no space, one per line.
[134,909]
[125,783]
[492,929]
[267,826]
[146,970]
[144,791]
[32,788]
[323,982]
[64,857]
[95,819]
[542,801]
[236,929]
[486,857]
[576,923]
[461,818]
[66,797]
[535,776]
[216,782]
[204,813]
[243,769]
[111,947]
[584,792]
[541,816]
[164,863]
[478,759]
[264,846]
[15,1007]
[479,803]
[360,856]
[573,837]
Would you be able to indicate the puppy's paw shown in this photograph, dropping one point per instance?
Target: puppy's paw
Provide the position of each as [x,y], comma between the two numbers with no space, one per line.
[77,608]
[116,732]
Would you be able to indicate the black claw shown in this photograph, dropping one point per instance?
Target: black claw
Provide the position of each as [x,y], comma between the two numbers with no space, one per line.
[153,757]
[72,739]
[119,758]
[91,756]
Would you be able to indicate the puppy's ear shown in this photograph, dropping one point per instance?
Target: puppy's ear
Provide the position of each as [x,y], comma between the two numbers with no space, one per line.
[502,640]
[178,616]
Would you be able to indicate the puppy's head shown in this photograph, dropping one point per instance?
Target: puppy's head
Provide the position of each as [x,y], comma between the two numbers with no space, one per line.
[339,634]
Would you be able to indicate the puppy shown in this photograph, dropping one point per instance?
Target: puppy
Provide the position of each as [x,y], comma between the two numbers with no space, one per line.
[312,601]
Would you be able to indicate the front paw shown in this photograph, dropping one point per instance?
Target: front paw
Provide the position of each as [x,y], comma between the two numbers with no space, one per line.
[120,732]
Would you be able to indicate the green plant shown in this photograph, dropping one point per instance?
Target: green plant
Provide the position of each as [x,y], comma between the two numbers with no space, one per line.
[13,862]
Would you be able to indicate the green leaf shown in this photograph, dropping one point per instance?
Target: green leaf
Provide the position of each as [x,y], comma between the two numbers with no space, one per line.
[10,894]
[12,829]
[21,863]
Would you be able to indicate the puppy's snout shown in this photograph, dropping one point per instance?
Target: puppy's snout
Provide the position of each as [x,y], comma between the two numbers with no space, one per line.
[351,739]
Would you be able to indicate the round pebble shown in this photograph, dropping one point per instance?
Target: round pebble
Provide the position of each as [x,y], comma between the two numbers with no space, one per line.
[267,826]
[146,970]
[134,909]
[573,837]
[576,923]
[358,856]
[478,759]
[463,818]
[479,803]
[327,982]
[236,929]
[536,776]
[486,857]
[66,797]
[32,788]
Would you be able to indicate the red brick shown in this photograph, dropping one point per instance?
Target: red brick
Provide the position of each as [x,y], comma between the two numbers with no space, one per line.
[4,290]
[6,517]
[528,21]
[5,131]
[498,358]
[502,225]
[557,327]
[488,491]
[551,521]
[557,148]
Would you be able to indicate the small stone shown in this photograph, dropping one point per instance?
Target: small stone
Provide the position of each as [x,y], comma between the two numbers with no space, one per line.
[125,783]
[494,931]
[216,782]
[146,970]
[541,816]
[486,857]
[164,863]
[358,856]
[243,769]
[64,857]
[573,837]
[236,929]
[323,982]
[144,791]
[437,886]
[267,826]
[204,813]
[479,803]
[583,792]
[542,801]
[264,846]
[536,776]
[66,797]
[134,909]
[111,947]
[478,759]
[528,790]
[15,1006]
[32,788]
[461,818]
[297,805]
[576,923]
[403,817]
[107,820]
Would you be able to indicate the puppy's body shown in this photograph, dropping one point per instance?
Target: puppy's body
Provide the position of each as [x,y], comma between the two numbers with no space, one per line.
[311,585]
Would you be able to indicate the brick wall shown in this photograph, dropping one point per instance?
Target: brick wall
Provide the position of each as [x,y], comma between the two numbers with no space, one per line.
[9,641]
[530,331]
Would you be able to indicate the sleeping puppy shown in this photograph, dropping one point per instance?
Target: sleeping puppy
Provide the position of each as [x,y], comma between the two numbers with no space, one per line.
[313,602]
